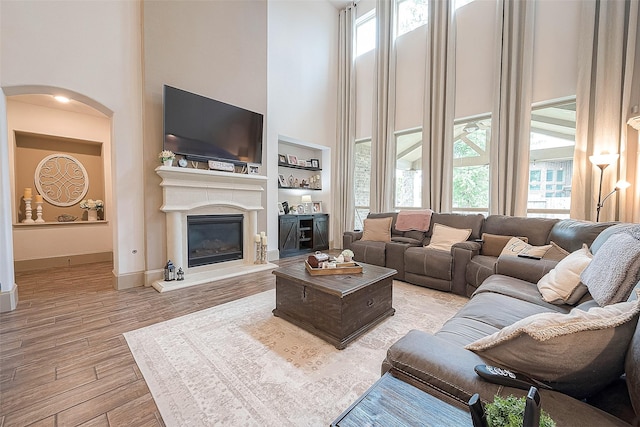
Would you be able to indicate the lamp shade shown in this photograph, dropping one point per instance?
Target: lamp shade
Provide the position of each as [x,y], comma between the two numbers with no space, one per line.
[306,199]
[603,160]
[622,184]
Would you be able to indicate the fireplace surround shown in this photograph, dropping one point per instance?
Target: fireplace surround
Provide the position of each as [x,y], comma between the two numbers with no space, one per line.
[190,192]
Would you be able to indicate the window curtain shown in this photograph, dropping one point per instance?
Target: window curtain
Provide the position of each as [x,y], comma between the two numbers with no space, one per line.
[439,99]
[382,138]
[344,158]
[603,104]
[509,151]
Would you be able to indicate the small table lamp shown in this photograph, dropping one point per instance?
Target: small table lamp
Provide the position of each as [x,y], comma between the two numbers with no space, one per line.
[306,201]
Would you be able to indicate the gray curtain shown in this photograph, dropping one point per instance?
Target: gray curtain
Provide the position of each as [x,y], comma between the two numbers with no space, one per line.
[605,80]
[510,128]
[438,117]
[344,158]
[382,138]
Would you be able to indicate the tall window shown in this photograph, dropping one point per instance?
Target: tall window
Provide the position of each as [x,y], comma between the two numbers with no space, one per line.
[411,14]
[408,169]
[366,33]
[362,181]
[553,139]
[471,165]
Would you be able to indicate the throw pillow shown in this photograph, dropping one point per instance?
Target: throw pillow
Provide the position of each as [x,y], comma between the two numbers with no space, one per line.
[555,253]
[377,229]
[516,246]
[578,353]
[562,283]
[615,268]
[444,237]
[493,244]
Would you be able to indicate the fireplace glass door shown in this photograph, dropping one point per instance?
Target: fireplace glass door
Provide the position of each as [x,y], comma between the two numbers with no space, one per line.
[214,238]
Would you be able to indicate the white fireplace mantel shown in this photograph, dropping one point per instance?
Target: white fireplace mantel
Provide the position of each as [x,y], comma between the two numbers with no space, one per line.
[204,192]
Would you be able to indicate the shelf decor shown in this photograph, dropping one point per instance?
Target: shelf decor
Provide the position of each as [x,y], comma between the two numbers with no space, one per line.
[166,157]
[61,179]
[92,207]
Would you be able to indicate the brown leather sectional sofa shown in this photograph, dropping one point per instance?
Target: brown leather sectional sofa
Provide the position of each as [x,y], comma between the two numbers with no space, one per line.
[502,291]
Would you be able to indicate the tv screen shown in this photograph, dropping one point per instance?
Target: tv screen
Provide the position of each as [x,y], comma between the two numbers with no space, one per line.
[202,129]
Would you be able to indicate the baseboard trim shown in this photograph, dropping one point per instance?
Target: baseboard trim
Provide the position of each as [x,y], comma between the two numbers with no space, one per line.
[62,261]
[128,281]
[9,299]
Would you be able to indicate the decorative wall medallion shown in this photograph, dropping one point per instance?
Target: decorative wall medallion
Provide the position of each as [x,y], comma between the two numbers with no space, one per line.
[61,179]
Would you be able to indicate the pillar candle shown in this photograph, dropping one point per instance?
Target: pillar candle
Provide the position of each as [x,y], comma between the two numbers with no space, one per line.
[27,193]
[264,240]
[262,234]
[257,238]
[38,198]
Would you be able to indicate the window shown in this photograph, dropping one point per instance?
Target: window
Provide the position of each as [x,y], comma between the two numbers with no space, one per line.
[366,33]
[362,181]
[553,130]
[411,14]
[408,169]
[471,165]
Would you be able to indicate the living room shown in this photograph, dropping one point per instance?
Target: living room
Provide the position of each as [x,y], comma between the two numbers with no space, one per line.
[278,58]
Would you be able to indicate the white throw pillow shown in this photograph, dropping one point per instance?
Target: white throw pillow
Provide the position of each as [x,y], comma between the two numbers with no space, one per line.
[560,284]
[444,237]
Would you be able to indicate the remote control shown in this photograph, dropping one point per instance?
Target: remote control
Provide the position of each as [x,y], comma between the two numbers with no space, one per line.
[529,256]
[509,378]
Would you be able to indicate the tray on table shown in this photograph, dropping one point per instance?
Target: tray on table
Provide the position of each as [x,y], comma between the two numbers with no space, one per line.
[347,268]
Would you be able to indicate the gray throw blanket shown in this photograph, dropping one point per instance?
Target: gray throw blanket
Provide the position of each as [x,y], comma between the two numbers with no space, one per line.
[615,268]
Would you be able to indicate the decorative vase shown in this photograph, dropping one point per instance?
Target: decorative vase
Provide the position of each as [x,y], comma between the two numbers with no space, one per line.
[168,162]
[92,215]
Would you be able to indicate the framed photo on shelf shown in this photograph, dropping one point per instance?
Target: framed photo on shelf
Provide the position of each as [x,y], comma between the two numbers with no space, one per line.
[302,162]
[317,207]
[292,160]
[315,163]
[282,158]
[282,181]
[280,209]
[253,169]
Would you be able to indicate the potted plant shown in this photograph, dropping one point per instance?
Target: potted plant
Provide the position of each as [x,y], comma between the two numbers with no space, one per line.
[347,254]
[509,412]
[92,207]
[166,157]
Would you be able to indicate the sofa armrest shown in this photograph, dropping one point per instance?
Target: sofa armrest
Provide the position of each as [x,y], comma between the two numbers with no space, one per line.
[445,370]
[530,270]
[462,253]
[348,237]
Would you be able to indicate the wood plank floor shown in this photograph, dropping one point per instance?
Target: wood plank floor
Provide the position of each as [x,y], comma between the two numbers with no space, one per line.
[63,359]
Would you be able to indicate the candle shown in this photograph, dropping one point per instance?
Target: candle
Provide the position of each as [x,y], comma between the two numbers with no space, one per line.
[257,238]
[262,234]
[38,198]
[27,193]
[264,240]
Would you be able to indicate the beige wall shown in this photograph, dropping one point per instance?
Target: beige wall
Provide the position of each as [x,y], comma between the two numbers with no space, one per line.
[56,240]
[217,49]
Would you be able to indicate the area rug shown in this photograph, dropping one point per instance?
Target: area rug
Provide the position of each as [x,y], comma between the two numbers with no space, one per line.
[238,365]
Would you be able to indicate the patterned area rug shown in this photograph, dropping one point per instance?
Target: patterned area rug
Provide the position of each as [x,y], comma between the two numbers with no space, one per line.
[236,364]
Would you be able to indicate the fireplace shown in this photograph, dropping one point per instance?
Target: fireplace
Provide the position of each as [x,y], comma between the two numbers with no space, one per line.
[213,238]
[204,255]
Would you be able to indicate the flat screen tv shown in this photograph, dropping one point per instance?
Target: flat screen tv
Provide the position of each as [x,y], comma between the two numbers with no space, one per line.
[203,129]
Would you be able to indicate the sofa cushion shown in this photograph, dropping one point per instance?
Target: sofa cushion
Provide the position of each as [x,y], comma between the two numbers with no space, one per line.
[444,237]
[377,229]
[578,353]
[632,362]
[562,284]
[493,244]
[535,229]
[615,268]
[479,268]
[474,222]
[571,234]
[369,252]
[428,262]
[516,246]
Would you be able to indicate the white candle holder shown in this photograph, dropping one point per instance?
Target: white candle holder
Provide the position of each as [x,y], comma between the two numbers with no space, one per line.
[39,212]
[258,253]
[263,254]
[28,211]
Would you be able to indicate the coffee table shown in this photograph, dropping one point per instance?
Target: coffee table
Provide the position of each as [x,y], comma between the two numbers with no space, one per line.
[392,402]
[337,308]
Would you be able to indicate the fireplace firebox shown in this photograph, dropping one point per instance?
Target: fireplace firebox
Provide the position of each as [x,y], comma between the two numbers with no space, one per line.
[214,238]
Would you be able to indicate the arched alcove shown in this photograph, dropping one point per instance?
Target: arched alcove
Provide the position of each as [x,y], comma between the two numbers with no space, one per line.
[39,127]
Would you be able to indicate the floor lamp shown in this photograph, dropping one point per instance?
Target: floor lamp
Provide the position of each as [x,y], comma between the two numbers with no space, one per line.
[602,161]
